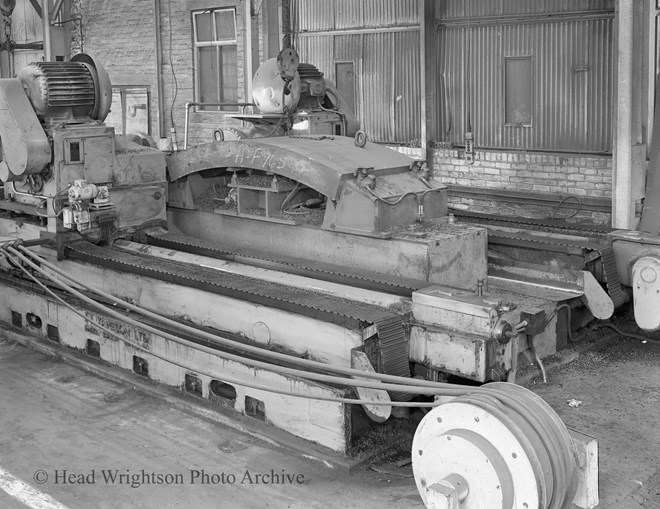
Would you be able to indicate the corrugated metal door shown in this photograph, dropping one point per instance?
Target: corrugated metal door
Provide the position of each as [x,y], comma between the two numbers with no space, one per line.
[379,41]
[559,61]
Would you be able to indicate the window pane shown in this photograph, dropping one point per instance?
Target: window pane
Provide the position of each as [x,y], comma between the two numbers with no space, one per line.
[518,100]
[229,80]
[137,111]
[226,31]
[345,74]
[207,72]
[204,27]
[115,117]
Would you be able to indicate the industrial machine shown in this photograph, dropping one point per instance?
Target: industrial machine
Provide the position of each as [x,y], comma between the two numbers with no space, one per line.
[60,161]
[313,280]
[294,98]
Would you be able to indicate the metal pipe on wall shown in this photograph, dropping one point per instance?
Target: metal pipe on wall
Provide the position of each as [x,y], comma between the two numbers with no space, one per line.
[159,69]
[286,24]
[45,16]
[247,17]
[623,205]
[56,10]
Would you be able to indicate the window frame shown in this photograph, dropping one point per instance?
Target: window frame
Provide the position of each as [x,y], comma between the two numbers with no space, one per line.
[505,105]
[123,90]
[214,44]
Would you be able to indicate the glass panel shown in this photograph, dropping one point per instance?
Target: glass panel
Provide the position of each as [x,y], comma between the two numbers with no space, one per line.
[204,26]
[208,75]
[345,73]
[225,25]
[114,118]
[137,111]
[229,77]
[518,90]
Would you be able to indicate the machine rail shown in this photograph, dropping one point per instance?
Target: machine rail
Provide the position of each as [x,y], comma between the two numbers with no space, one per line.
[298,266]
[537,234]
[528,223]
[391,333]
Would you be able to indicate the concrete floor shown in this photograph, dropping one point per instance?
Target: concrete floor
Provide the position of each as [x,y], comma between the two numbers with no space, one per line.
[57,417]
[619,387]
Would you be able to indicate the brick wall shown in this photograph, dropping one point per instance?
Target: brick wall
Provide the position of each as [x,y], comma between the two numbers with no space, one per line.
[583,182]
[120,35]
[549,175]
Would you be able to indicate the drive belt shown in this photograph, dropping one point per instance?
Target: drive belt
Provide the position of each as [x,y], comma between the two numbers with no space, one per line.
[483,219]
[610,275]
[303,302]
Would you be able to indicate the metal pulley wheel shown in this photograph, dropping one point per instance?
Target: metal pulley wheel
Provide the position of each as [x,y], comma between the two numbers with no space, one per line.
[360,139]
[501,447]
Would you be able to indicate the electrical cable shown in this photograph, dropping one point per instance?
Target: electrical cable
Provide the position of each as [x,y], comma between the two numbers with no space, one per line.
[213,375]
[294,23]
[61,195]
[342,116]
[227,342]
[569,318]
[331,110]
[530,341]
[174,78]
[291,210]
[46,216]
[395,202]
[538,436]
[290,195]
[429,389]
[577,211]
[537,358]
[626,334]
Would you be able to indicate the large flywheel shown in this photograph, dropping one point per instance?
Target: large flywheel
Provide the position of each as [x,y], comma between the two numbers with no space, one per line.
[501,447]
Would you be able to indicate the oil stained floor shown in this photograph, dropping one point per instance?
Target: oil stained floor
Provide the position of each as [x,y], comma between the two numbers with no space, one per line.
[55,417]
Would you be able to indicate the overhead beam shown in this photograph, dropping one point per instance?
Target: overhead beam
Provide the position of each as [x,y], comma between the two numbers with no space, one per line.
[623,214]
[56,11]
[37,7]
[48,53]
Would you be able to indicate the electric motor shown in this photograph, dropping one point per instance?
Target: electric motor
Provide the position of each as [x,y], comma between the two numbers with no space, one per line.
[78,90]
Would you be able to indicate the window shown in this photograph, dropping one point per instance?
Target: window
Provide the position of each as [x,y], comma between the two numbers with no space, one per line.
[130,112]
[216,64]
[345,74]
[518,89]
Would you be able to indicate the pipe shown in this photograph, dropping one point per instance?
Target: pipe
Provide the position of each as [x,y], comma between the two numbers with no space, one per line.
[623,213]
[56,10]
[286,24]
[247,16]
[159,69]
[221,105]
[224,377]
[45,16]
[360,381]
[250,349]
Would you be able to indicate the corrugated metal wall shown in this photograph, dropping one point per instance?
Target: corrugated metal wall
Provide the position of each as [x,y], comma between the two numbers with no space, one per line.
[381,38]
[452,9]
[572,75]
[320,15]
